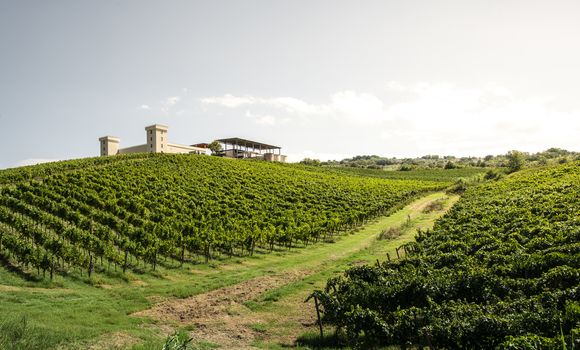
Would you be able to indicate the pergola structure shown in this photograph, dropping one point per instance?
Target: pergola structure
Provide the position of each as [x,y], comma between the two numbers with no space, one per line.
[236,147]
[248,145]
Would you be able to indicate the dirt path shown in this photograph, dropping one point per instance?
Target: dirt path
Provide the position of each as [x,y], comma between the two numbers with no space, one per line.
[221,316]
[209,305]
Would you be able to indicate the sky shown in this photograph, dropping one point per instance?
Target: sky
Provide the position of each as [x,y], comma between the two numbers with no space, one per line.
[323,79]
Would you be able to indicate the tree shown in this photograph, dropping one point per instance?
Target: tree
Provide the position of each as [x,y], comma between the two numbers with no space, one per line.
[215,147]
[516,160]
[309,161]
[450,165]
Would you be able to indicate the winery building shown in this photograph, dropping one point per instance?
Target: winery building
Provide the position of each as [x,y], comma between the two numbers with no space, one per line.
[157,142]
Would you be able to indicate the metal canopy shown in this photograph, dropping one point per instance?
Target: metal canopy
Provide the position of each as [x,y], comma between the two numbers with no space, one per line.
[236,141]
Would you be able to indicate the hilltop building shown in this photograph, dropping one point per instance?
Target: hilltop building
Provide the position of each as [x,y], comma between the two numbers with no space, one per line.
[157,142]
[236,147]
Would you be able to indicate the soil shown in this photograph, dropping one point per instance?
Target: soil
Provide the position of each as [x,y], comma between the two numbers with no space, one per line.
[215,302]
[220,316]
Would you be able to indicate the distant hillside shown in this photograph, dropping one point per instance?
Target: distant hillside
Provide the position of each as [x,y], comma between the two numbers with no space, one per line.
[133,210]
[549,156]
[441,175]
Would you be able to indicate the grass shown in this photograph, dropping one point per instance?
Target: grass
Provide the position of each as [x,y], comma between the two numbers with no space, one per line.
[20,334]
[73,314]
[435,205]
[372,249]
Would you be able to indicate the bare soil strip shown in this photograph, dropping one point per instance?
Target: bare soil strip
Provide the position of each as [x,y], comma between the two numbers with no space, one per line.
[212,304]
[219,316]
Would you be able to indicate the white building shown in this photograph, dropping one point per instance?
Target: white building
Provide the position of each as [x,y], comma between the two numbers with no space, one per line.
[156,142]
[236,147]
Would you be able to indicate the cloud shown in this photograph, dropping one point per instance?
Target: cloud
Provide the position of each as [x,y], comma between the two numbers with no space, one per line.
[262,119]
[444,117]
[229,101]
[294,105]
[346,106]
[410,119]
[169,103]
[172,101]
[296,157]
[144,107]
[359,108]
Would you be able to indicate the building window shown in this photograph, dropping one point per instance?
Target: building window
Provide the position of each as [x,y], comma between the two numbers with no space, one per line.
[161,138]
[150,132]
[150,146]
[151,139]
[161,145]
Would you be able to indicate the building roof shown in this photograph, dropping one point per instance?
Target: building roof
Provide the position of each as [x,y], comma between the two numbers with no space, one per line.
[157,126]
[248,143]
[201,145]
[110,138]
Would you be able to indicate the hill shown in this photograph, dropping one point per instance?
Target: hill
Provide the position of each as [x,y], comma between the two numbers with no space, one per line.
[435,174]
[500,269]
[547,157]
[133,211]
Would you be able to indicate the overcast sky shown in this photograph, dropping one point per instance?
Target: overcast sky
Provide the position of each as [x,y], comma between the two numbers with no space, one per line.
[323,79]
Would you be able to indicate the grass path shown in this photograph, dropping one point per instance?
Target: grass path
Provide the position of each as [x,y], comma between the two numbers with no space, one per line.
[269,311]
[252,302]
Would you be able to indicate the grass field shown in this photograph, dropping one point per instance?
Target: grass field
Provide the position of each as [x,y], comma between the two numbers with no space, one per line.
[258,299]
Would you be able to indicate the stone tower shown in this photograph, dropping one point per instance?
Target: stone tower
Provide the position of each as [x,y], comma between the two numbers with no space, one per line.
[109,145]
[156,138]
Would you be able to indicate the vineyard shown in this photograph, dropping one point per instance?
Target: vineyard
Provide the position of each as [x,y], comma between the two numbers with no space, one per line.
[39,171]
[501,269]
[443,175]
[135,212]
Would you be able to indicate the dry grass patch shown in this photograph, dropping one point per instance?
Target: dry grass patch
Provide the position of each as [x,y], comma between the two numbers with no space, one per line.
[117,340]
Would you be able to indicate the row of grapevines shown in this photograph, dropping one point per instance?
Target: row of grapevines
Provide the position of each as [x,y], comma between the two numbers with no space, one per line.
[442,175]
[39,171]
[501,269]
[181,206]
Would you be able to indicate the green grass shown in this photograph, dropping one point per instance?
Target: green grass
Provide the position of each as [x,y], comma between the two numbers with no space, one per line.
[370,248]
[72,314]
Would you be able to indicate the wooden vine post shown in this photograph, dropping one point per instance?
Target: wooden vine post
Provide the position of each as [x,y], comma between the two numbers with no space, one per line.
[125,263]
[90,265]
[318,316]
[317,306]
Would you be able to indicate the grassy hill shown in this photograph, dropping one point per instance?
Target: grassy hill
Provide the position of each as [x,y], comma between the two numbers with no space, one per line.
[132,212]
[500,270]
[145,225]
